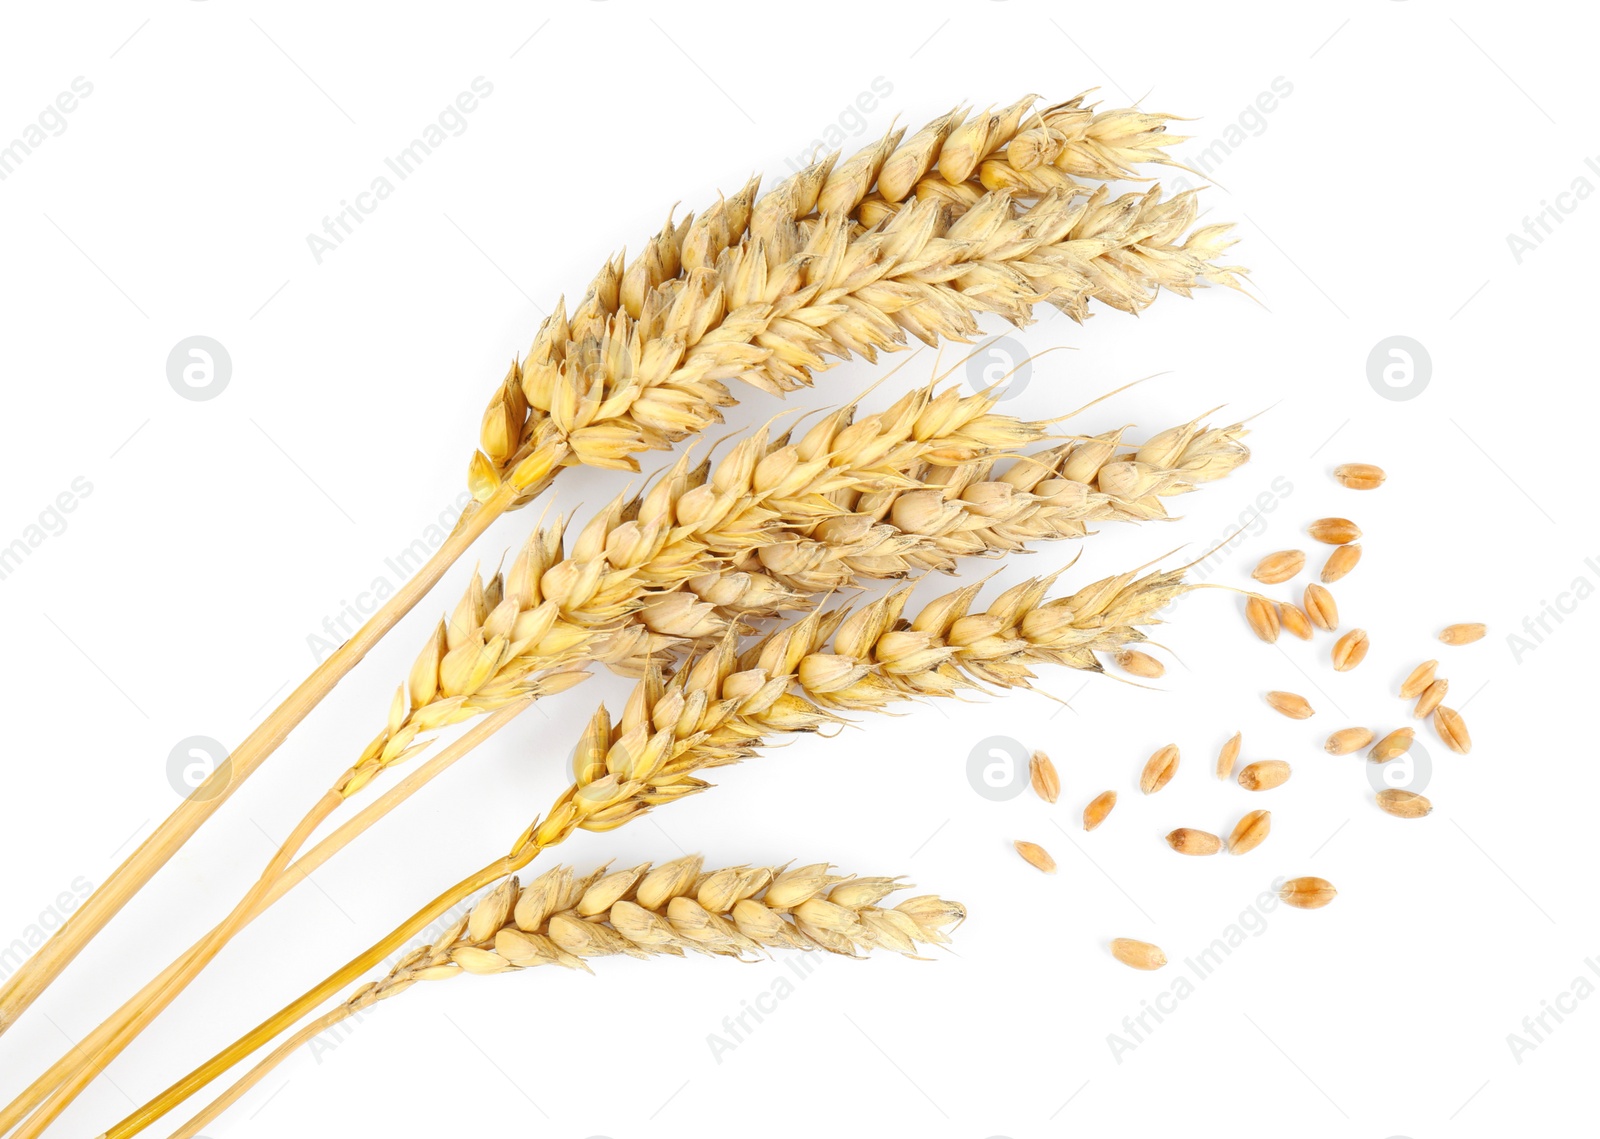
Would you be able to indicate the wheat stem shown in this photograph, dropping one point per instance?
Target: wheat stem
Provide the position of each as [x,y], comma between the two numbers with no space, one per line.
[35,974]
[721,709]
[842,259]
[298,872]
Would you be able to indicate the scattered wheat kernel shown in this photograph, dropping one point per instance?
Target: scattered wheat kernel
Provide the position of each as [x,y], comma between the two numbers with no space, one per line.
[1187,840]
[1043,777]
[1279,567]
[1228,756]
[1404,804]
[1293,619]
[1097,810]
[1138,954]
[1320,607]
[1432,696]
[1340,562]
[1307,893]
[1250,832]
[1136,663]
[1263,617]
[1036,856]
[1359,476]
[1264,775]
[1347,740]
[1294,706]
[1463,634]
[1452,729]
[1392,746]
[1334,531]
[1159,769]
[1350,650]
[1421,676]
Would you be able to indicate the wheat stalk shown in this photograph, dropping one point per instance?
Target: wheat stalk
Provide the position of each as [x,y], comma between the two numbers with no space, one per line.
[764,290]
[758,490]
[724,706]
[644,911]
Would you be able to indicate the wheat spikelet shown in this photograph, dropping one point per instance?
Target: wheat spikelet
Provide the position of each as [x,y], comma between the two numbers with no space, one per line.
[766,290]
[720,708]
[563,919]
[498,647]
[724,706]
[880,497]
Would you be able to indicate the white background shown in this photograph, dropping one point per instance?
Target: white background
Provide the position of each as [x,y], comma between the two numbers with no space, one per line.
[1375,200]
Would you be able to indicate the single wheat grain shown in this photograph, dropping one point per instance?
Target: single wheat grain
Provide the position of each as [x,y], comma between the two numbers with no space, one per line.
[1404,804]
[1307,893]
[1350,650]
[1043,777]
[1463,634]
[1359,476]
[1250,832]
[1097,810]
[1159,769]
[1229,755]
[1417,683]
[1340,562]
[1290,704]
[1274,569]
[1264,775]
[1334,531]
[1137,954]
[1347,740]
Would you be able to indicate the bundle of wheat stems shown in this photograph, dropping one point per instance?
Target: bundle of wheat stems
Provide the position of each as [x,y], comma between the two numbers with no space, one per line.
[974,213]
[672,909]
[645,573]
[725,705]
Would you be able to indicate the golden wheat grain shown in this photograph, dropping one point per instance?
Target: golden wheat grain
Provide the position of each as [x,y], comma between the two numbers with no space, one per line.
[1137,954]
[1334,531]
[1187,840]
[1293,620]
[1452,729]
[1250,832]
[1404,804]
[1159,769]
[1097,810]
[1264,775]
[1417,682]
[1392,746]
[1347,740]
[1290,704]
[1340,562]
[1307,893]
[1350,650]
[1359,476]
[1320,608]
[1262,614]
[1274,569]
[1431,697]
[1463,634]
[1229,755]
[1043,777]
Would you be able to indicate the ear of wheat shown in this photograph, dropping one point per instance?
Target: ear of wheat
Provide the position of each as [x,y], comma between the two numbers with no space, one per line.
[845,258]
[725,705]
[757,496]
[676,908]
